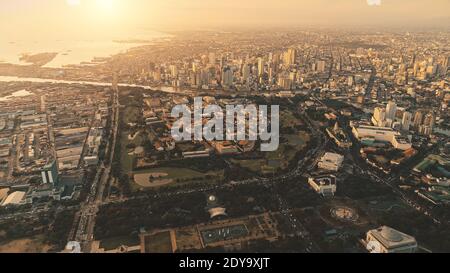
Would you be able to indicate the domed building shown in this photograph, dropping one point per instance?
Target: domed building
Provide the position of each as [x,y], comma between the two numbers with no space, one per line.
[212,201]
[214,208]
[389,240]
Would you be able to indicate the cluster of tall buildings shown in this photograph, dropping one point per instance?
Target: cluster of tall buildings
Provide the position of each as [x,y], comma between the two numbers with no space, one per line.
[385,117]
[274,70]
[422,121]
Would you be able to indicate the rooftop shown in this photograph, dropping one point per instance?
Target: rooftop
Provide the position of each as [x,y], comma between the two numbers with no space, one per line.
[391,238]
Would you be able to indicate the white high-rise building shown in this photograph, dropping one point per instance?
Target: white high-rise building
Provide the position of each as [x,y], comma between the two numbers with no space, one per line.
[406,121]
[391,110]
[260,66]
[289,56]
[418,119]
[379,117]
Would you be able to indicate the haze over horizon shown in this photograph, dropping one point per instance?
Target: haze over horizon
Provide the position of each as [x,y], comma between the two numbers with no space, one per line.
[44,17]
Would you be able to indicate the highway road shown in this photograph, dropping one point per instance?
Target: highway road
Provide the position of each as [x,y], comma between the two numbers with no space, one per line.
[84,233]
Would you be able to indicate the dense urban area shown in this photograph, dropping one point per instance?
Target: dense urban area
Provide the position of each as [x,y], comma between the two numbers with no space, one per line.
[88,162]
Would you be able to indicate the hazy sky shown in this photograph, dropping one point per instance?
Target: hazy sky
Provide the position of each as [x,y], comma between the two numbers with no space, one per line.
[41,17]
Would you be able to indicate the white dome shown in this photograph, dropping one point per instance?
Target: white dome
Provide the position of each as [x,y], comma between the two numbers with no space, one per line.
[212,198]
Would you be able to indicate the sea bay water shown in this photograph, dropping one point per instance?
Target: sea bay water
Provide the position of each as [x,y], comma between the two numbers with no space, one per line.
[72,50]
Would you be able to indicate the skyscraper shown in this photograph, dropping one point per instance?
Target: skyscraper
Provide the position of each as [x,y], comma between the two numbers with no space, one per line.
[406,121]
[379,117]
[260,66]
[391,110]
[245,72]
[173,71]
[418,118]
[285,82]
[447,63]
[430,119]
[270,57]
[425,130]
[227,77]
[290,56]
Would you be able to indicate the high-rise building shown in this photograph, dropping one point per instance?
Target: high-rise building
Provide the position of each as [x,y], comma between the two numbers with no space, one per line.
[156,75]
[290,56]
[446,64]
[350,81]
[227,77]
[391,110]
[173,71]
[245,72]
[418,118]
[43,105]
[425,130]
[271,73]
[260,66]
[379,117]
[430,120]
[320,66]
[406,121]
[285,82]
[204,77]
[50,173]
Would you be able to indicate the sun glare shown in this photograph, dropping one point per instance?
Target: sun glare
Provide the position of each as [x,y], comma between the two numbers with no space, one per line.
[107,5]
[73,2]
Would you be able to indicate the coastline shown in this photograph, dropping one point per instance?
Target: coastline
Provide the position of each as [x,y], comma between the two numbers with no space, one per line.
[76,52]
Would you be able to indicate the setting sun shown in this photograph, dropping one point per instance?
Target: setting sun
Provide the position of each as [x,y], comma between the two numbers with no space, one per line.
[105,4]
[73,2]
